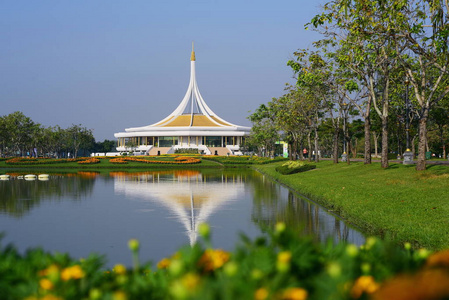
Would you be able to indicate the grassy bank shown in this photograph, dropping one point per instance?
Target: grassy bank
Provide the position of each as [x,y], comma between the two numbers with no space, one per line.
[397,202]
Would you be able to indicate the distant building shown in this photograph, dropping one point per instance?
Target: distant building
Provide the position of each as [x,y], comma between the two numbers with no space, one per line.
[192,125]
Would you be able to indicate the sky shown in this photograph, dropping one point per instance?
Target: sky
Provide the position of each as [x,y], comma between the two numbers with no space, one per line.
[114,64]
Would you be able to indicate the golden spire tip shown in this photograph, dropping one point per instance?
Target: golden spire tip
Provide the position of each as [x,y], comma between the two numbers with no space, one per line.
[192,56]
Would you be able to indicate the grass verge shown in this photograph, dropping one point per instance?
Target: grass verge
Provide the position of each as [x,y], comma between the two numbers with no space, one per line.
[398,202]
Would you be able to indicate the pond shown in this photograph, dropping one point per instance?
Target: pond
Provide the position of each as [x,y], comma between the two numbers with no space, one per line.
[88,212]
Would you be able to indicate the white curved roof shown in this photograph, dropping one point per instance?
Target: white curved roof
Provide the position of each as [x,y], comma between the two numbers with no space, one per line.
[191,117]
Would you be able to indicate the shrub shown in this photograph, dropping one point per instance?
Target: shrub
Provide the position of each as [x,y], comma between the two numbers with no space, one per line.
[186,151]
[278,265]
[292,167]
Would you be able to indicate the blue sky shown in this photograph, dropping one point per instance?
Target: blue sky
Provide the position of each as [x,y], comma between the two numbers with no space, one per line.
[110,65]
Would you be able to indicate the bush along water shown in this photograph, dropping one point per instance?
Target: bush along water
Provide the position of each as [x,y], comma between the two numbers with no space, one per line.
[292,167]
[278,265]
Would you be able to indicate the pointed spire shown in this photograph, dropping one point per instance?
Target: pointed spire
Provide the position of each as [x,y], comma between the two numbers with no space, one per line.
[192,56]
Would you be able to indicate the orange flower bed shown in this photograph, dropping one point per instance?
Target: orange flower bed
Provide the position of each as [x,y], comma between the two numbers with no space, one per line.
[90,160]
[35,161]
[177,160]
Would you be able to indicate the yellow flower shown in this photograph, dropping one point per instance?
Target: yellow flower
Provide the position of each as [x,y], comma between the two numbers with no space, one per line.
[284,257]
[51,271]
[73,272]
[294,294]
[283,261]
[261,294]
[190,281]
[51,297]
[133,244]
[280,227]
[46,284]
[163,264]
[119,295]
[120,269]
[364,284]
[213,259]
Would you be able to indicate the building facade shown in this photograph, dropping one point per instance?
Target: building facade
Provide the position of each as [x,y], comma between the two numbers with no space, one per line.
[192,125]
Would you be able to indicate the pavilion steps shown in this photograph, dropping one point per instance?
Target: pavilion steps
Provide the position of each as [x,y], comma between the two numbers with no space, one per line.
[221,151]
[163,150]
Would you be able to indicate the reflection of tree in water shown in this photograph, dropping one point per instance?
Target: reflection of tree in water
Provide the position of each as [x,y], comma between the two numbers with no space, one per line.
[298,214]
[18,196]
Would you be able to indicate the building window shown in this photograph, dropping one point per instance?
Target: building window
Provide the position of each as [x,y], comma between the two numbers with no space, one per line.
[168,141]
[213,141]
[229,140]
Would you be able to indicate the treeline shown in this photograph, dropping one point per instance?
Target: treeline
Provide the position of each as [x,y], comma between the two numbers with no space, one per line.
[378,77]
[21,136]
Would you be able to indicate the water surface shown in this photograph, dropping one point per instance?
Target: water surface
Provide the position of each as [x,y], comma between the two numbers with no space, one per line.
[86,212]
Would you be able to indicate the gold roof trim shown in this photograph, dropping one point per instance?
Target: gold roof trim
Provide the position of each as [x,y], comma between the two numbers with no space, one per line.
[160,122]
[198,121]
[219,121]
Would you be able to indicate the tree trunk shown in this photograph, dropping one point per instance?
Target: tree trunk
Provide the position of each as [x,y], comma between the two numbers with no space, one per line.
[367,155]
[310,146]
[290,147]
[295,149]
[421,163]
[317,159]
[384,155]
[349,148]
[301,154]
[335,146]
[443,146]
[376,143]
[356,146]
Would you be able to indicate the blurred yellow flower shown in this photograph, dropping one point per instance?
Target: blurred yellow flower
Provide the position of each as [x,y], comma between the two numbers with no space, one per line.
[261,294]
[213,259]
[163,264]
[119,295]
[51,297]
[364,284]
[190,281]
[284,256]
[50,271]
[73,272]
[45,284]
[294,294]
[120,269]
[133,244]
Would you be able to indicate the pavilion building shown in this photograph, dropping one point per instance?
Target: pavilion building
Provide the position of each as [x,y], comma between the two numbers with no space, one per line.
[192,125]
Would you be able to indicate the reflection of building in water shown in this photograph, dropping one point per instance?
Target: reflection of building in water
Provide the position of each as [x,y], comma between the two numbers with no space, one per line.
[189,195]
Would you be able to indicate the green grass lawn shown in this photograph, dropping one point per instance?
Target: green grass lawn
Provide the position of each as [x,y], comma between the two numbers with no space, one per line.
[398,202]
[106,164]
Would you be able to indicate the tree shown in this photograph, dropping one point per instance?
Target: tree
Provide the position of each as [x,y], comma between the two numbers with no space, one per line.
[427,66]
[292,112]
[20,130]
[79,138]
[313,74]
[105,146]
[264,132]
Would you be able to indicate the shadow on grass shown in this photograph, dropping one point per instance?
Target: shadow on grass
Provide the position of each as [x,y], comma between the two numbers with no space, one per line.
[438,169]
